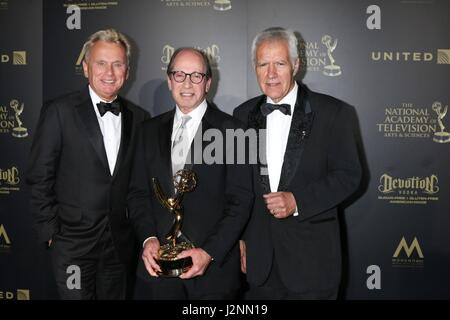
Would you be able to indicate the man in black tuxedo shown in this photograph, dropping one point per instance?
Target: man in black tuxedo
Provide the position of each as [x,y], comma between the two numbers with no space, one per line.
[79,173]
[291,245]
[215,212]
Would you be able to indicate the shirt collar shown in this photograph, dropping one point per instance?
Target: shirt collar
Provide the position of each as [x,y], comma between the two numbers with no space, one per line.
[96,99]
[196,114]
[289,99]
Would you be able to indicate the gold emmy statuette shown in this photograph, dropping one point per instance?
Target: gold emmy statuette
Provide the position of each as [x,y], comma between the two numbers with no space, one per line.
[331,70]
[18,132]
[441,136]
[175,241]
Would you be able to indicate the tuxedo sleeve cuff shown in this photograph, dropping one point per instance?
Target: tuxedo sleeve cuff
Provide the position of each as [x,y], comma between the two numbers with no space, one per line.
[145,241]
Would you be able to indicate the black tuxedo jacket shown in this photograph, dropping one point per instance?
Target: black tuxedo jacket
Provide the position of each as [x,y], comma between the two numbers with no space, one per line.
[73,195]
[215,212]
[321,168]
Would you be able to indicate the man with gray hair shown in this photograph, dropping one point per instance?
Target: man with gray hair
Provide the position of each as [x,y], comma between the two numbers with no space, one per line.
[79,173]
[291,245]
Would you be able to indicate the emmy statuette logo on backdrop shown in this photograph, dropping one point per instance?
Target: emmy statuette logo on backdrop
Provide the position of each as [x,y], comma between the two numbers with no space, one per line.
[331,70]
[19,131]
[442,136]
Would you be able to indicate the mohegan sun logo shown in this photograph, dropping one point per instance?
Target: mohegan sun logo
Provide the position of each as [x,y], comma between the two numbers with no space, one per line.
[408,255]
[78,63]
[5,241]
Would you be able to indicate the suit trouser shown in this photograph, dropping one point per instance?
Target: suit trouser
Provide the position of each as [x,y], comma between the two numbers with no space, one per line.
[274,289]
[175,289]
[97,275]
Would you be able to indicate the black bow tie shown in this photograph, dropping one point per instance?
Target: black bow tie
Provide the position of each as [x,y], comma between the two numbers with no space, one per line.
[104,107]
[267,108]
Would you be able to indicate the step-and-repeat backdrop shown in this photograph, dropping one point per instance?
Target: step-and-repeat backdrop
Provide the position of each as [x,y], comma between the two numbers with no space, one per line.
[389,59]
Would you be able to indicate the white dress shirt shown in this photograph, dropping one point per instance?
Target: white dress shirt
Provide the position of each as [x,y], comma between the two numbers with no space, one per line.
[277,133]
[111,128]
[192,125]
[278,126]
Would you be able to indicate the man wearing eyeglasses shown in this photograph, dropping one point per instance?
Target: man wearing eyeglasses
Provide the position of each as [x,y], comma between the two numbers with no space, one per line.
[79,174]
[215,212]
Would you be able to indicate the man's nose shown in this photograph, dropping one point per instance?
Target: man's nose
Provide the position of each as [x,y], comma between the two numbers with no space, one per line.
[109,68]
[272,70]
[187,83]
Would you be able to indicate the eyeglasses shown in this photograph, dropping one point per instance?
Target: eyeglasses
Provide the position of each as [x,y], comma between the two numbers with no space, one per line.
[180,76]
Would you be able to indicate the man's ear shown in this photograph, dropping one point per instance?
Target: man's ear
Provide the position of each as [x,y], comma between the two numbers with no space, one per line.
[85,69]
[169,83]
[208,85]
[296,66]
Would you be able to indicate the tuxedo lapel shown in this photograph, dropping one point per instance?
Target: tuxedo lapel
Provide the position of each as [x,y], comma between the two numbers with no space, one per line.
[165,134]
[127,121]
[257,121]
[89,122]
[298,133]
